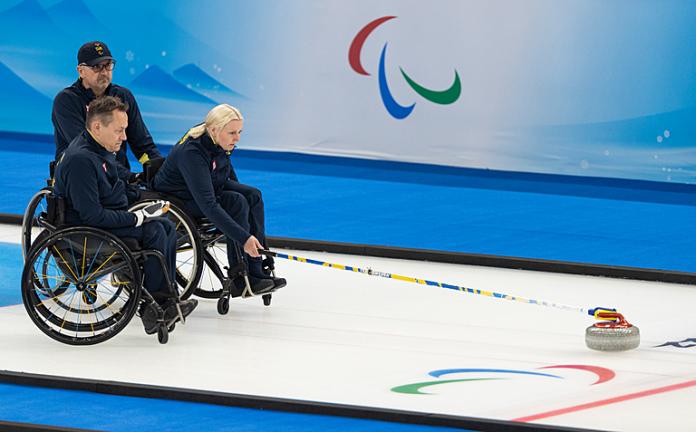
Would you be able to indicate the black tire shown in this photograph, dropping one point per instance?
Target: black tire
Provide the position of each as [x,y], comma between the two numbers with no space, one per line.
[188,255]
[163,334]
[31,222]
[69,261]
[213,275]
[267,299]
[223,305]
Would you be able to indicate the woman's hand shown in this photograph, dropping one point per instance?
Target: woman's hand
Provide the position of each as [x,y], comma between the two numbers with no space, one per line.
[252,246]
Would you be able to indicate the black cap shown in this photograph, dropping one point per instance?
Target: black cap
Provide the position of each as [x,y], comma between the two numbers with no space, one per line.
[92,53]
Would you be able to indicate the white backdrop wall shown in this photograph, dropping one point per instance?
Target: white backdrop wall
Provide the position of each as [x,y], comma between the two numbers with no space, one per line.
[583,87]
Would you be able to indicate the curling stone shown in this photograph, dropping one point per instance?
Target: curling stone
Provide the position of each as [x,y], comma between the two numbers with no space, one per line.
[613,333]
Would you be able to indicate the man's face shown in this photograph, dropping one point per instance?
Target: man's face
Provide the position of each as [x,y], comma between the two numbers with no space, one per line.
[97,77]
[228,136]
[111,136]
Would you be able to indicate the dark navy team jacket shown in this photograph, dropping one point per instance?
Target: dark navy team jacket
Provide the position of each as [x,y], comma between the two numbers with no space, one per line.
[70,111]
[198,170]
[93,184]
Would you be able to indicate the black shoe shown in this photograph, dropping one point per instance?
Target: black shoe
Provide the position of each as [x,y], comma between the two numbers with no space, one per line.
[278,282]
[260,286]
[171,313]
[149,315]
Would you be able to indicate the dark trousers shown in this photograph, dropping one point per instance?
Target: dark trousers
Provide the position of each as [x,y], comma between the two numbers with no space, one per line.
[246,210]
[257,218]
[158,234]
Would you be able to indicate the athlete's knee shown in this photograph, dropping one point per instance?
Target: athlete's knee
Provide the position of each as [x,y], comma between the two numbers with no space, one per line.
[254,196]
[232,201]
[154,234]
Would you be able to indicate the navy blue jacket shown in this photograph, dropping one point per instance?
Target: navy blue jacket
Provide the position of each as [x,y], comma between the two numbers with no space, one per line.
[94,185]
[70,112]
[198,170]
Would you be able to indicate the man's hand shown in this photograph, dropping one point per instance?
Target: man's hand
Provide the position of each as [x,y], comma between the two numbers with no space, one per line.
[158,208]
[252,246]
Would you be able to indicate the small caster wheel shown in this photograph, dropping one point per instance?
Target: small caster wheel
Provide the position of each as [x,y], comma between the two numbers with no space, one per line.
[223,305]
[267,299]
[171,327]
[163,334]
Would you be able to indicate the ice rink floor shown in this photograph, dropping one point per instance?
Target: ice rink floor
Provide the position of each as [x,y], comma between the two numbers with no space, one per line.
[348,338]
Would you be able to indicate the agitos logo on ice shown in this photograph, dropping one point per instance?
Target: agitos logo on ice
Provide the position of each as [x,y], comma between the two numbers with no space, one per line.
[603,375]
[396,110]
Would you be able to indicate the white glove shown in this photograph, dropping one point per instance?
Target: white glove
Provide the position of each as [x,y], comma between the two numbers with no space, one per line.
[157,208]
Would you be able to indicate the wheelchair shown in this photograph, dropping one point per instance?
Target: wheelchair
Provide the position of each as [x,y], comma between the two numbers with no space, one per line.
[201,252]
[201,259]
[83,285]
[36,215]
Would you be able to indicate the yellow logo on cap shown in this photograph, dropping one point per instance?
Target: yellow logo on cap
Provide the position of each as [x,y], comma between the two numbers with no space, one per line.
[99,49]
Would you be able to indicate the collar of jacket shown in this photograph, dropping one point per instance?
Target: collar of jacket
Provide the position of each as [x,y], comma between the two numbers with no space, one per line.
[88,92]
[210,146]
[94,146]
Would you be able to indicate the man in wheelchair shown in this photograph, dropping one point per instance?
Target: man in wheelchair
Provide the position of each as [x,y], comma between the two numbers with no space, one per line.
[93,185]
[198,172]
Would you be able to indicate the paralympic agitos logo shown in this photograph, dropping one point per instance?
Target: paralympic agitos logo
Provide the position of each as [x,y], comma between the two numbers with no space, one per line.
[398,111]
[477,374]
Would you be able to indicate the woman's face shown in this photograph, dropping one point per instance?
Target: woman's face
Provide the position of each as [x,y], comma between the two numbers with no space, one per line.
[228,136]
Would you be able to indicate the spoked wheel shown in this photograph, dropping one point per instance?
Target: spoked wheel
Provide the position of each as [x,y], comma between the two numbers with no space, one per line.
[189,264]
[31,222]
[80,286]
[213,273]
[214,270]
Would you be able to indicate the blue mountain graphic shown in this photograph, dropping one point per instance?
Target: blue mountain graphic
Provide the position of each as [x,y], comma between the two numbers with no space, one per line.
[34,47]
[76,19]
[24,104]
[156,82]
[27,24]
[14,89]
[636,132]
[196,79]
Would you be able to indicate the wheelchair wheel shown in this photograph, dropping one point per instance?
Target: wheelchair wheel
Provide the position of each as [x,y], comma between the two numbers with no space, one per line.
[81,286]
[214,254]
[31,222]
[188,246]
[267,299]
[223,305]
[163,334]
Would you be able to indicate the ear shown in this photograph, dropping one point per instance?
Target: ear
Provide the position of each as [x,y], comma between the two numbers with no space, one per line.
[213,132]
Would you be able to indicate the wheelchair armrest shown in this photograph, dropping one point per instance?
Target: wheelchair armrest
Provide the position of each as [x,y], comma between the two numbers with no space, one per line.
[151,167]
[51,173]
[55,210]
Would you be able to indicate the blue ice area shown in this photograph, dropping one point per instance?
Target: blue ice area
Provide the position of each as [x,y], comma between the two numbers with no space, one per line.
[121,413]
[614,222]
[10,274]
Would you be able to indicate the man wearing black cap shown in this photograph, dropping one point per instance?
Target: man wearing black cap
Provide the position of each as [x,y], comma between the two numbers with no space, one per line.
[95,66]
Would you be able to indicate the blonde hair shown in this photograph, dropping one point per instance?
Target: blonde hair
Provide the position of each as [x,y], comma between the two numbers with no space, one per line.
[217,117]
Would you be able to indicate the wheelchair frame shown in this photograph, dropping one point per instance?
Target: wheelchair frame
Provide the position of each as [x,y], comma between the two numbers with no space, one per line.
[202,238]
[49,274]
